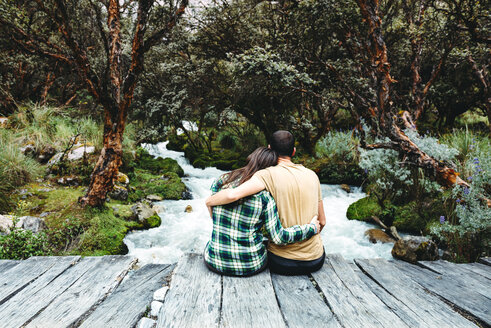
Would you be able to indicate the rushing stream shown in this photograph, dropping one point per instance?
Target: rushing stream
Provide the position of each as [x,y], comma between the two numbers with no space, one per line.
[182,232]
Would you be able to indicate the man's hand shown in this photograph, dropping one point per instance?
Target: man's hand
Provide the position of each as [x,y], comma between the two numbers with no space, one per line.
[315,221]
[227,196]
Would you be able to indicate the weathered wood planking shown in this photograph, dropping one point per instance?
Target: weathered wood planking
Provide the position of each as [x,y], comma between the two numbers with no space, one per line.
[83,294]
[301,304]
[22,274]
[193,299]
[358,288]
[250,302]
[126,305]
[347,308]
[7,264]
[410,317]
[460,275]
[429,307]
[25,304]
[478,268]
[485,260]
[452,289]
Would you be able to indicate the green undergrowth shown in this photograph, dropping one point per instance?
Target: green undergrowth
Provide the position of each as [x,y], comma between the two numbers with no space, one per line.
[143,183]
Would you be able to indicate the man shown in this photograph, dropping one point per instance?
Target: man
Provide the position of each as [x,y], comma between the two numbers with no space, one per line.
[297,193]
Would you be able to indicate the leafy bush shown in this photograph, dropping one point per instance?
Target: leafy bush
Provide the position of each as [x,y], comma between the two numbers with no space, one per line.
[338,147]
[21,244]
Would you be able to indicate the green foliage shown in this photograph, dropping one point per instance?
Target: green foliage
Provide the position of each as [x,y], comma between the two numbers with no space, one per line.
[338,147]
[21,244]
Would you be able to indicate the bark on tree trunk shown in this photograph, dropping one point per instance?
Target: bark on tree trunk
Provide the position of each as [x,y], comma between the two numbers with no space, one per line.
[106,168]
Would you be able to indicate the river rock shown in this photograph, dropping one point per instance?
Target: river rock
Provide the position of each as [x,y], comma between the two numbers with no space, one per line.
[154,198]
[158,208]
[4,121]
[119,193]
[143,211]
[159,294]
[186,195]
[155,308]
[377,235]
[146,323]
[346,188]
[188,209]
[32,223]
[414,248]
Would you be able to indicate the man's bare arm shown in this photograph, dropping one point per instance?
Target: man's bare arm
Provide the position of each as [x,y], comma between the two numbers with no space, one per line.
[227,196]
[321,215]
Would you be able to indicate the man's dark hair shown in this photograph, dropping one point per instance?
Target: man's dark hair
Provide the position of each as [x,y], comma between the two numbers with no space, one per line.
[283,142]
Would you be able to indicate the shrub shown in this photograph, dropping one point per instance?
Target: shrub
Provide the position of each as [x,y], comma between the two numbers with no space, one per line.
[21,244]
[338,147]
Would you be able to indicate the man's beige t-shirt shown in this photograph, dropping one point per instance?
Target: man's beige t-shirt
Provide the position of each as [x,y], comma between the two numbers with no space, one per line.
[297,193]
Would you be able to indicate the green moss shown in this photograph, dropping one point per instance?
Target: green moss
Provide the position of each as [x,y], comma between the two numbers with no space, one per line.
[416,217]
[168,186]
[157,165]
[363,209]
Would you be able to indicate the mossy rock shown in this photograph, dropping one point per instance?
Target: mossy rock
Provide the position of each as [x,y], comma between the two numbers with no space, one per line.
[176,143]
[417,217]
[152,222]
[168,186]
[201,163]
[363,209]
[157,165]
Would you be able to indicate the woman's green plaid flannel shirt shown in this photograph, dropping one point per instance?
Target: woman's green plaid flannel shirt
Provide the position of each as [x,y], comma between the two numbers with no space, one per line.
[236,246]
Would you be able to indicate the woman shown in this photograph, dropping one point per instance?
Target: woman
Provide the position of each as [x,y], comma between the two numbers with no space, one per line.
[236,246]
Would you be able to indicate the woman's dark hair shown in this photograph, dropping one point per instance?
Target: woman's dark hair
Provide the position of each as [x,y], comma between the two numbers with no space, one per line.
[259,159]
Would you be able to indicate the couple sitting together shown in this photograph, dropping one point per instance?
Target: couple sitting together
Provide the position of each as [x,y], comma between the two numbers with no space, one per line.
[273,193]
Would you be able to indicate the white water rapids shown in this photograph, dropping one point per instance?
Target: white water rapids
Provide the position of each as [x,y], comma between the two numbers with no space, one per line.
[182,232]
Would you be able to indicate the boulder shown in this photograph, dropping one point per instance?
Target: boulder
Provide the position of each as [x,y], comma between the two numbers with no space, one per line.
[345,187]
[122,179]
[6,222]
[4,121]
[79,150]
[69,181]
[32,223]
[186,195]
[188,209]
[413,249]
[158,208]
[377,235]
[46,154]
[143,211]
[154,198]
[119,193]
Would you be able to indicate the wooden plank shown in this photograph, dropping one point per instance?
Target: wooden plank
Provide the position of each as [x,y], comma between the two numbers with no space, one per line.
[88,291]
[349,311]
[250,302]
[429,307]
[455,291]
[358,288]
[478,268]
[29,301]
[301,304]
[193,299]
[7,264]
[460,275]
[411,318]
[485,260]
[13,280]
[126,305]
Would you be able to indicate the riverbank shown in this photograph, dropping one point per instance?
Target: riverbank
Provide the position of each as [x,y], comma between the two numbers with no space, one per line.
[46,172]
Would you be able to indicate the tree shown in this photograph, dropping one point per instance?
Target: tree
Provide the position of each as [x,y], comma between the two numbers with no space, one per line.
[95,51]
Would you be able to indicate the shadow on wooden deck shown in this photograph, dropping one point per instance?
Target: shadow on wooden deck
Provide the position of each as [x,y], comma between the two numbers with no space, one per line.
[111,291]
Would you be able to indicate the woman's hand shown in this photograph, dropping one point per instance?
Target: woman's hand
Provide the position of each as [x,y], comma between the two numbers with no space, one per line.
[315,222]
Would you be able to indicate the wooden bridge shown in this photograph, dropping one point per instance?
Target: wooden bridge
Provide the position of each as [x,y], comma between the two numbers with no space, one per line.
[112,291]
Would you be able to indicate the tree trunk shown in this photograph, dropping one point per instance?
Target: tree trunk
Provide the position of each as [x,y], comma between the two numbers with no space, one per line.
[106,169]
